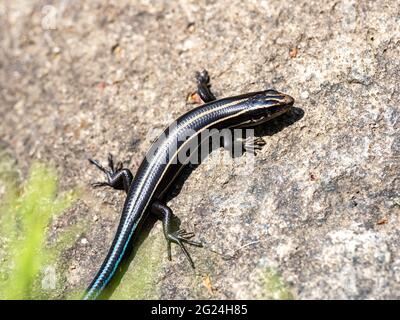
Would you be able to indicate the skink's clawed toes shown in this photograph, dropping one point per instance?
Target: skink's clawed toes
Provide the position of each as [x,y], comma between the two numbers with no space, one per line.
[180,237]
[186,253]
[111,162]
[187,239]
[194,243]
[202,77]
[98,165]
[99,184]
[119,167]
[260,141]
[169,251]
[94,162]
[188,235]
[182,234]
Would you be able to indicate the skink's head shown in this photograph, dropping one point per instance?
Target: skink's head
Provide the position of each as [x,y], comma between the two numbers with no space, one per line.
[273,98]
[269,104]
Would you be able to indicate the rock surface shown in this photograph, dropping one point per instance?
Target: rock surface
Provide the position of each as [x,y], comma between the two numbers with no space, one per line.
[317,218]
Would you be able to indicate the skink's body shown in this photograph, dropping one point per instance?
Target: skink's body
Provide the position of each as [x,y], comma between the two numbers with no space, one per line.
[145,192]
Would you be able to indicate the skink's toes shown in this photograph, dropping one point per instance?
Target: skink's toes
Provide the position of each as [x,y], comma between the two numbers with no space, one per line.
[202,77]
[99,184]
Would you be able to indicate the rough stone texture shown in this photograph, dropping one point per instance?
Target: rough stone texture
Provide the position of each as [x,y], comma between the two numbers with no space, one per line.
[321,208]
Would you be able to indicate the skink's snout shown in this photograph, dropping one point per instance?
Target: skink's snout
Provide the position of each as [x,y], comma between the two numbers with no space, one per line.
[279,97]
[288,100]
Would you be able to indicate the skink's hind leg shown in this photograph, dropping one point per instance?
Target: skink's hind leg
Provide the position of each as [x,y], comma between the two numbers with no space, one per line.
[179,237]
[203,86]
[118,177]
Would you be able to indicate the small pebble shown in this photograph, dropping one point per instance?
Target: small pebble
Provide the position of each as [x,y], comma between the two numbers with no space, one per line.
[304,95]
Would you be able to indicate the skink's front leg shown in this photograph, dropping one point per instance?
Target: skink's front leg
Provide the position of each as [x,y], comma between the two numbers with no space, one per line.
[118,178]
[203,86]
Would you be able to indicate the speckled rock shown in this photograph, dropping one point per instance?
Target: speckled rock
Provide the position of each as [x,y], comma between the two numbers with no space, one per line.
[318,215]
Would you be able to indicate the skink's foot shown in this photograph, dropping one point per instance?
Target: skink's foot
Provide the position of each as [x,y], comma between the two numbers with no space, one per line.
[202,77]
[253,144]
[203,86]
[118,178]
[250,144]
[179,237]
